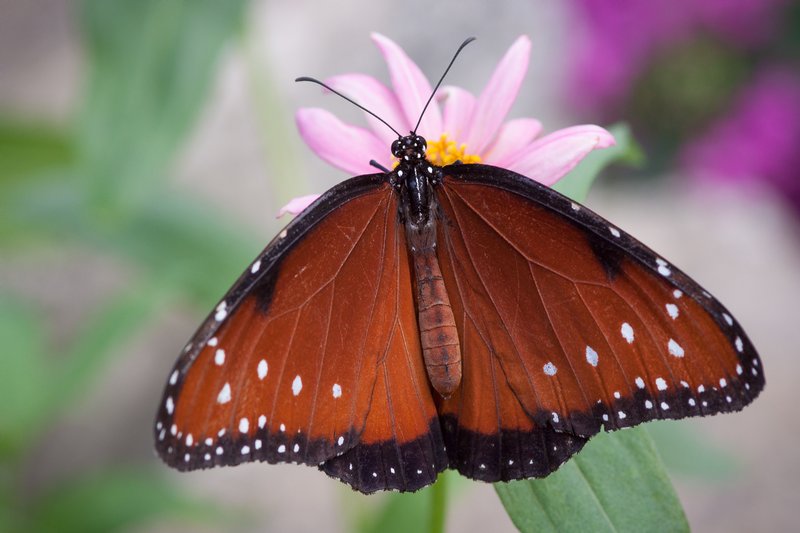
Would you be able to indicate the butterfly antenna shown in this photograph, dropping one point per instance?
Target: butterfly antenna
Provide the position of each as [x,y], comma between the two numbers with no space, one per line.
[337,93]
[465,43]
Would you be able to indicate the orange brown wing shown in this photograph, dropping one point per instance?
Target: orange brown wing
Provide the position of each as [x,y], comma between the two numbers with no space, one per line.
[313,356]
[569,325]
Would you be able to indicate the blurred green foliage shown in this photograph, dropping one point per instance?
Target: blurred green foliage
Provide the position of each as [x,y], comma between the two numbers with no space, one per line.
[99,183]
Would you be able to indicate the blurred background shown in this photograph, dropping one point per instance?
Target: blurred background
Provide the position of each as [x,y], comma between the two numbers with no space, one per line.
[145,147]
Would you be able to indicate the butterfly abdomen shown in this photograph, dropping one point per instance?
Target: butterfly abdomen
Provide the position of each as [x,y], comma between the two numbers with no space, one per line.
[437,326]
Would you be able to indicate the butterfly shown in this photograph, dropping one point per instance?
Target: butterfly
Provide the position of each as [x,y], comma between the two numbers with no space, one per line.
[431,317]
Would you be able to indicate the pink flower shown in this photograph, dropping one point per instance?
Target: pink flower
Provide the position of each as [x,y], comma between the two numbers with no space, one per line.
[466,128]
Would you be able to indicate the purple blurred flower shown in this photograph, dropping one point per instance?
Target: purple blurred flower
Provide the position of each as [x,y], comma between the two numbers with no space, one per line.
[758,142]
[468,128]
[620,38]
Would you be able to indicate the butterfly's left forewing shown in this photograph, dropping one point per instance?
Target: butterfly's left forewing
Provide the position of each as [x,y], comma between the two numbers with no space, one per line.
[575,323]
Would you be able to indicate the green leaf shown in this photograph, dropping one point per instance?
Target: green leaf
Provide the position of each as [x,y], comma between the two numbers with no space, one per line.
[150,67]
[576,184]
[118,500]
[616,483]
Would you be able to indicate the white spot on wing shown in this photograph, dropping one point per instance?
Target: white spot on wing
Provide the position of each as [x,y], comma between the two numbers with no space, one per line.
[170,405]
[258,444]
[256,266]
[245,449]
[617,395]
[337,390]
[627,332]
[672,311]
[664,406]
[550,369]
[614,231]
[297,385]
[662,267]
[648,404]
[728,318]
[262,369]
[244,425]
[224,395]
[640,382]
[677,294]
[739,344]
[723,383]
[281,448]
[219,357]
[675,348]
[212,341]
[262,421]
[621,415]
[221,311]
[739,369]
[340,441]
[173,379]
[591,356]
[555,417]
[661,384]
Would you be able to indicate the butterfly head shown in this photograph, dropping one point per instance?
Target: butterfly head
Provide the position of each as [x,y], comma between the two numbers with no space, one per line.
[410,148]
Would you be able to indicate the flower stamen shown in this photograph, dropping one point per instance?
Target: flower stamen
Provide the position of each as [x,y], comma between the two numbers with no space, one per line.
[446,152]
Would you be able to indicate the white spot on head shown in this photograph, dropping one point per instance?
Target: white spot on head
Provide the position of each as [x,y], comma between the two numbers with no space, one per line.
[296,448]
[430,170]
[739,344]
[212,341]
[262,369]
[661,384]
[189,439]
[173,378]
[555,417]
[224,395]
[258,444]
[337,390]
[739,369]
[244,425]
[262,421]
[692,402]
[701,388]
[297,385]
[281,448]
[550,369]
[245,449]
[614,231]
[664,406]
[617,395]
[639,382]
[255,267]
[219,357]
[621,415]
[723,383]
[340,441]
[399,173]
[677,293]
[209,441]
[672,311]
[170,405]
[221,311]
[591,356]
[675,348]
[648,404]
[728,318]
[627,332]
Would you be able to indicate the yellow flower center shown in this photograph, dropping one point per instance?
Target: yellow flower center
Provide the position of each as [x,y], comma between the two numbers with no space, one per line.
[446,152]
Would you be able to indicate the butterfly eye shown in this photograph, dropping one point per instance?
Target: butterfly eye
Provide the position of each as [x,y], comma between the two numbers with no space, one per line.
[397,149]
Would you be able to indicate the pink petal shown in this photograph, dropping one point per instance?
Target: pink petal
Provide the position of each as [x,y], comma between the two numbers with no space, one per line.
[376,97]
[411,87]
[342,145]
[297,205]
[498,95]
[458,106]
[514,137]
[548,159]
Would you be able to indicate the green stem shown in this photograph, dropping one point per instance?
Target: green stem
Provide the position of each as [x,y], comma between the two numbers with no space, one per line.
[438,494]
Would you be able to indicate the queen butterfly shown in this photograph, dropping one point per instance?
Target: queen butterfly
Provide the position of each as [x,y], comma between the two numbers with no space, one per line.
[432,317]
